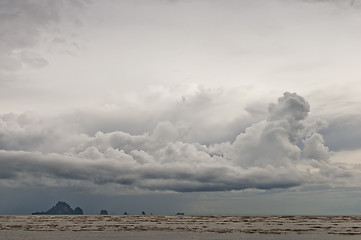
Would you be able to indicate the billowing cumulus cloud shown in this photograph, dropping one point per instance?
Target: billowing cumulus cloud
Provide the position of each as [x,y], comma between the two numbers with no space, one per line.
[284,150]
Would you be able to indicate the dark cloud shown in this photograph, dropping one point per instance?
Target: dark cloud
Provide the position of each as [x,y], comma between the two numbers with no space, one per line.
[343,133]
[348,3]
[265,156]
[355,3]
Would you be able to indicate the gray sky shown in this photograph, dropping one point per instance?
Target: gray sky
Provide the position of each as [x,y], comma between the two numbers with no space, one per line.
[204,107]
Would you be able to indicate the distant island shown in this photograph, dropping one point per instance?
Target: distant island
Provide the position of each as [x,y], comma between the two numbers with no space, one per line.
[103,212]
[61,208]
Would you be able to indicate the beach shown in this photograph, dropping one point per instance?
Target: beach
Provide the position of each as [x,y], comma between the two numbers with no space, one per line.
[153,235]
[180,227]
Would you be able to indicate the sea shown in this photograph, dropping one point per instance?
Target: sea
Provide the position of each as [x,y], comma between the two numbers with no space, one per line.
[81,227]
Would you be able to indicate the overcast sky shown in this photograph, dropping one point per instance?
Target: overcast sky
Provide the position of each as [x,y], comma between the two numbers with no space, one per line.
[164,106]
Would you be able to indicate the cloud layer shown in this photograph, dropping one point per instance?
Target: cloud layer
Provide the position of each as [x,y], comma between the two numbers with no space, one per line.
[284,150]
[122,137]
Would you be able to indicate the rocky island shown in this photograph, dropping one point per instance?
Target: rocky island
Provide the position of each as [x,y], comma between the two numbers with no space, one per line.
[61,208]
[103,212]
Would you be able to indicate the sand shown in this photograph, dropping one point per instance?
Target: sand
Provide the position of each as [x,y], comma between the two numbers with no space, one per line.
[153,235]
[180,227]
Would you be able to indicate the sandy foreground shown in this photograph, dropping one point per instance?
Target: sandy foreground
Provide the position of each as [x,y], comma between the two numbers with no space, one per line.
[180,227]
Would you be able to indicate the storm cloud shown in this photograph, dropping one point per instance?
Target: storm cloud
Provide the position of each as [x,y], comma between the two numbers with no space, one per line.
[282,151]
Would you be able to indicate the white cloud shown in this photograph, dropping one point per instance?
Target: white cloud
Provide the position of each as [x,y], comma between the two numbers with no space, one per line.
[314,148]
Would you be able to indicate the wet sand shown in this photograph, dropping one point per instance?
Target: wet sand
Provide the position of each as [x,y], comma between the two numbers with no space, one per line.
[152,235]
[180,227]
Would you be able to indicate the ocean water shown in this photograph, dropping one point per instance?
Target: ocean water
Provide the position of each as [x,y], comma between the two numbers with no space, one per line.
[181,227]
